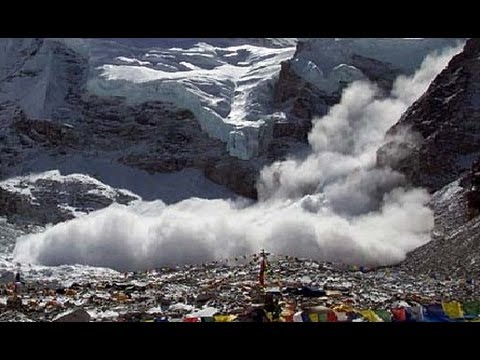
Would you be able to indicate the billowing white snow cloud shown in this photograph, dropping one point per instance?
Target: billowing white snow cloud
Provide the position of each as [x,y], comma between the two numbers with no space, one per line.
[333,205]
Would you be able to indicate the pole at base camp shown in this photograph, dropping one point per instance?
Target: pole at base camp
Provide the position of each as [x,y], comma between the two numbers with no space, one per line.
[263,266]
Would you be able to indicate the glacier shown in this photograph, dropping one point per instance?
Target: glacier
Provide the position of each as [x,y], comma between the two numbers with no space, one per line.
[215,83]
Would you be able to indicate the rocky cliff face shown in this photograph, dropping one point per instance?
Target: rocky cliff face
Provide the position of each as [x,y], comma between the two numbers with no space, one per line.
[436,145]
[438,137]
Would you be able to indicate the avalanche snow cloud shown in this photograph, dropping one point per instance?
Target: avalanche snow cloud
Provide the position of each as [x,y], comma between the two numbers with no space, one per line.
[333,205]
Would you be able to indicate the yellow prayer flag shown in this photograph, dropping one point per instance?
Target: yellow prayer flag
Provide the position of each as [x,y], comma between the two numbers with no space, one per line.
[225,318]
[453,309]
[371,316]
[313,317]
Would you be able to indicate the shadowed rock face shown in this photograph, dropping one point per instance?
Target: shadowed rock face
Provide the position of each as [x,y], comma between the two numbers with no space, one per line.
[443,126]
[382,73]
[240,175]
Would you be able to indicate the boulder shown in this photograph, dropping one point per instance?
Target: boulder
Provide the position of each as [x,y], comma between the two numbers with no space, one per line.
[78,315]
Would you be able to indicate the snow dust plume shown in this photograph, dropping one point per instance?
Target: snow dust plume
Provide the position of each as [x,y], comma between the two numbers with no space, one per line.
[333,205]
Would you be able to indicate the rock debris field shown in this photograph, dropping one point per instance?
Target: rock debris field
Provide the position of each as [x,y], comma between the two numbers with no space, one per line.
[295,290]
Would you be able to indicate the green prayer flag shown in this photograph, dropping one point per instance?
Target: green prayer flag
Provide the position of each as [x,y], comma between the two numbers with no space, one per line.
[322,317]
[471,308]
[384,315]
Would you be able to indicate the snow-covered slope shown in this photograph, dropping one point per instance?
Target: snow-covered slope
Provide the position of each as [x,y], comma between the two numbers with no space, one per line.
[50,197]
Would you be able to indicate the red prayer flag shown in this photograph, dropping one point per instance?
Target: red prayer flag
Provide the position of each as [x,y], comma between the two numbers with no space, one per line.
[399,314]
[331,316]
[263,267]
